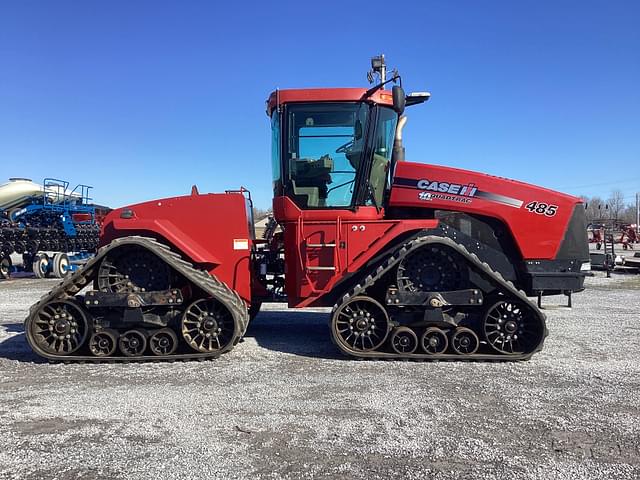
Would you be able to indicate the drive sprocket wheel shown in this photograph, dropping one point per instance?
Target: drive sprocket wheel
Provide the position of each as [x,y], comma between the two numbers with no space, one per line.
[510,328]
[403,340]
[163,342]
[132,269]
[464,341]
[103,343]
[361,324]
[133,343]
[434,341]
[59,328]
[207,325]
[432,268]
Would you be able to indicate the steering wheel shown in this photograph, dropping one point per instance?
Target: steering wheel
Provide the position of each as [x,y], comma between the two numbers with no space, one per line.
[346,148]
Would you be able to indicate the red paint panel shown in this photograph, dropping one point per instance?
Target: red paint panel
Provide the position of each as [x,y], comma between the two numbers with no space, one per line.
[201,227]
[537,235]
[280,97]
[364,236]
[358,236]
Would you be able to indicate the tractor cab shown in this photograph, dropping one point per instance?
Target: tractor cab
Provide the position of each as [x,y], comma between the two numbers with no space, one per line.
[331,149]
[332,159]
[333,155]
[334,148]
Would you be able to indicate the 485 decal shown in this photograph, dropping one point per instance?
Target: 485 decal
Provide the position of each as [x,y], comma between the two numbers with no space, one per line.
[542,208]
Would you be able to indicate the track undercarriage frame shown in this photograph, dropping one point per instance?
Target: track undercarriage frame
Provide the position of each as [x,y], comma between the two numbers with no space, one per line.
[426,299]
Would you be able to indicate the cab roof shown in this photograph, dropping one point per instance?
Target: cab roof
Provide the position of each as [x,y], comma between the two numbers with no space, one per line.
[280,97]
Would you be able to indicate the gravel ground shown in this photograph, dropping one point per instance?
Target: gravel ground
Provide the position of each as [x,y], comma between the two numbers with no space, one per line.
[285,404]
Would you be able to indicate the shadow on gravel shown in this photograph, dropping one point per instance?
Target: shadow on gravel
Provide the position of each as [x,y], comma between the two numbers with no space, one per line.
[297,332]
[16,347]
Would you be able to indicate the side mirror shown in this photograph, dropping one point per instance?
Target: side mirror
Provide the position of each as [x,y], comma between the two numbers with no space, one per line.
[399,99]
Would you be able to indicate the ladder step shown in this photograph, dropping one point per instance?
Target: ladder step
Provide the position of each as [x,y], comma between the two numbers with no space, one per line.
[321,268]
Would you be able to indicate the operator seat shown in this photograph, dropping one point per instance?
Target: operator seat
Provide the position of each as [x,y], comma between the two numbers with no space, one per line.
[378,176]
[305,196]
[309,180]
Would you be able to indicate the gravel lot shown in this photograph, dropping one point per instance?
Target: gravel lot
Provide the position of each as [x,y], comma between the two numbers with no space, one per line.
[285,404]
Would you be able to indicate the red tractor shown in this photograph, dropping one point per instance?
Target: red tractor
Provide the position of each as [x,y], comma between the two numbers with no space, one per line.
[418,261]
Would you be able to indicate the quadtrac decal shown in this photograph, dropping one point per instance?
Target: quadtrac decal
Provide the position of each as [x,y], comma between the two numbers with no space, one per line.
[453,192]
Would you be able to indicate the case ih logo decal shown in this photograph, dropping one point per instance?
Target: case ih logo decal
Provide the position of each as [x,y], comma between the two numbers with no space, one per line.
[453,192]
[446,187]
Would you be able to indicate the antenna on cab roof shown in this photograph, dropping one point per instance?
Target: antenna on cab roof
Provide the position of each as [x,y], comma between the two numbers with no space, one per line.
[379,69]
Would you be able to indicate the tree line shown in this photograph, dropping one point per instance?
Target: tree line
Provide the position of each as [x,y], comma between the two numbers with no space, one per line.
[612,208]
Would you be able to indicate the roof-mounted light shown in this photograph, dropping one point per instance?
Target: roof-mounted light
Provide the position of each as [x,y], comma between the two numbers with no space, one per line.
[414,98]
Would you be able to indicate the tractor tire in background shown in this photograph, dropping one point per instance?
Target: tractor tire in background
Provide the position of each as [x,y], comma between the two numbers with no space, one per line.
[5,267]
[41,265]
[61,265]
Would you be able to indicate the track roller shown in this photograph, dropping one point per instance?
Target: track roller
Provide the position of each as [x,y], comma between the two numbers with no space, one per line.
[403,340]
[103,343]
[163,342]
[434,341]
[464,341]
[133,343]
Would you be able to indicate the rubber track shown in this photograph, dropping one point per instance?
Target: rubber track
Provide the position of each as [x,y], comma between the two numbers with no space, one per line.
[74,283]
[394,258]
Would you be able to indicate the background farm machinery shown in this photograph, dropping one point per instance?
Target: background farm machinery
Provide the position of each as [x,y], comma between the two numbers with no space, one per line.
[54,228]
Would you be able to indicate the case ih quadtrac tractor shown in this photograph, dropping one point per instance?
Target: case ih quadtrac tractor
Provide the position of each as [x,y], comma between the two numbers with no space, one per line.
[418,261]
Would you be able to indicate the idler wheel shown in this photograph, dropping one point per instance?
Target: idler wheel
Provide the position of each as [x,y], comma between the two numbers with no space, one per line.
[163,342]
[59,328]
[511,329]
[207,325]
[103,343]
[404,340]
[361,324]
[464,341]
[434,341]
[132,343]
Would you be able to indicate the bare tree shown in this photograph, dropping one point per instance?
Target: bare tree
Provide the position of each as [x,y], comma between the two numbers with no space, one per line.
[259,213]
[616,204]
[628,215]
[595,208]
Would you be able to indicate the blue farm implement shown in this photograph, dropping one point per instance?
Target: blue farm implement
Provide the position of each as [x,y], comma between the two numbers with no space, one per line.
[54,228]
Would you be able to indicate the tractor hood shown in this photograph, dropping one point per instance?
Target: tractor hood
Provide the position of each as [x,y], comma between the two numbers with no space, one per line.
[538,218]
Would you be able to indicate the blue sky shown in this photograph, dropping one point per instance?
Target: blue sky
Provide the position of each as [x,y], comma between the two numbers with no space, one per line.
[142,99]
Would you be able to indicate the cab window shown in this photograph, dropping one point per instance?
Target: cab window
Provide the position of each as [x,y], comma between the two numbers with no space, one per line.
[326,143]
